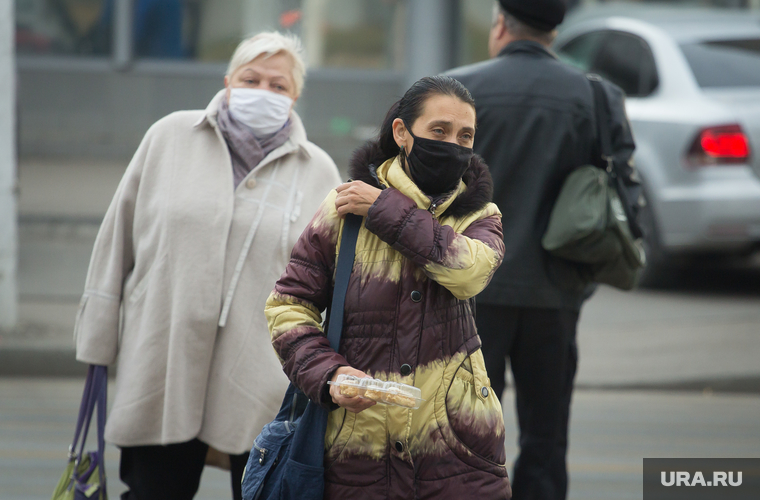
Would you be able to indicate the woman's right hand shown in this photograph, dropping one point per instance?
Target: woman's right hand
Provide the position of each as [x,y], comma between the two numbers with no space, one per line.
[354,404]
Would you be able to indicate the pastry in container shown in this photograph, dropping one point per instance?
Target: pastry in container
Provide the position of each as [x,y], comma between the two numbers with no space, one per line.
[380,391]
[374,389]
[402,395]
[350,386]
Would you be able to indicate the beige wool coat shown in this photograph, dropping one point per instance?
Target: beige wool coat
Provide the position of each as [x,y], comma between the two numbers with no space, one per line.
[179,275]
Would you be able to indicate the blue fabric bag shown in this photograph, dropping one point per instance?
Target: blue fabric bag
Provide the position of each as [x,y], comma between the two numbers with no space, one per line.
[286,461]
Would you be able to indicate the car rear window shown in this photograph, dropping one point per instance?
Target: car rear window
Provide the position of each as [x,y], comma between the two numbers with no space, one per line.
[725,63]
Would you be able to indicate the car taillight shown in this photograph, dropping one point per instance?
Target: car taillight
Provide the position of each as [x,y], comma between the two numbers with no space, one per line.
[719,145]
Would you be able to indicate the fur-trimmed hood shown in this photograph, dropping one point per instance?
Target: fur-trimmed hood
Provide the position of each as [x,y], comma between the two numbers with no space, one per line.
[477,178]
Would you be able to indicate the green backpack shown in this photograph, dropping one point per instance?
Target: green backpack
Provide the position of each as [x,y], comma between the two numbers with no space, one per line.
[592,222]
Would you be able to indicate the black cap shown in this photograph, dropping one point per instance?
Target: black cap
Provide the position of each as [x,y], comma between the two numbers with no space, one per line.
[543,15]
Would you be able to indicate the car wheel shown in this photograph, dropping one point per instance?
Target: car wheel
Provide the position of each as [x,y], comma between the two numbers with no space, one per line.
[661,269]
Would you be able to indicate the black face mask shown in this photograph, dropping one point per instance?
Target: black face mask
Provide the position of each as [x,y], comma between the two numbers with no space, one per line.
[437,166]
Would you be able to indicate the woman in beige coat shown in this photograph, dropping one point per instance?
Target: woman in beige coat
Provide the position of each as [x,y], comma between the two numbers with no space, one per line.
[200,228]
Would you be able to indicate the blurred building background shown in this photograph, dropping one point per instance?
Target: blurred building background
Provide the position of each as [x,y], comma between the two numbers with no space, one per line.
[94,74]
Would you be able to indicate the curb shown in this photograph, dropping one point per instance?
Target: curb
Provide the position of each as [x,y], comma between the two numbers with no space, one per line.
[729,385]
[26,362]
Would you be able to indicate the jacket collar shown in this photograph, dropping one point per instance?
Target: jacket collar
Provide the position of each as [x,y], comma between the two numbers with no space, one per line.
[297,137]
[392,174]
[369,164]
[526,47]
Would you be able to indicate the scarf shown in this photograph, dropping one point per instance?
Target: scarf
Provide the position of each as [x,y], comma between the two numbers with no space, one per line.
[247,150]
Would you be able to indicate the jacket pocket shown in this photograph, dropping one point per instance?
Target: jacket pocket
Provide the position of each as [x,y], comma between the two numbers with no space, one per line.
[340,425]
[144,341]
[474,423]
[136,293]
[357,451]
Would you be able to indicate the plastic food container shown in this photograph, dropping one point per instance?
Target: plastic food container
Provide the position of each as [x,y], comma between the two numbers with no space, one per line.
[389,393]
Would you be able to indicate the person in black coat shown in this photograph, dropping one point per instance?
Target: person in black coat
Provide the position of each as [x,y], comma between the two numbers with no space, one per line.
[536,123]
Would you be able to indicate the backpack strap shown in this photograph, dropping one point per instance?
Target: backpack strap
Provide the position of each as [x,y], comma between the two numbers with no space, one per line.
[602,113]
[602,122]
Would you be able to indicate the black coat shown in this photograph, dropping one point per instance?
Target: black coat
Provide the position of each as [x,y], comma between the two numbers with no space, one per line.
[535,125]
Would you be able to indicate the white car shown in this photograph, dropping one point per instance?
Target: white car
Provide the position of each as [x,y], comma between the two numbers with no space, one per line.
[692,80]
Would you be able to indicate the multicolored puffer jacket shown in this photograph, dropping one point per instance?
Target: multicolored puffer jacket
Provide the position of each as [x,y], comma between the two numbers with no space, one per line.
[407,318]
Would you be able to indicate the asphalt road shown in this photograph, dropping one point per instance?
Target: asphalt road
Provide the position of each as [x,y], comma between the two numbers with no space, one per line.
[611,432]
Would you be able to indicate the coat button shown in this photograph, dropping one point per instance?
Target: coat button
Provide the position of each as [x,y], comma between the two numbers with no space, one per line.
[250,183]
[416,296]
[406,369]
[484,392]
[399,446]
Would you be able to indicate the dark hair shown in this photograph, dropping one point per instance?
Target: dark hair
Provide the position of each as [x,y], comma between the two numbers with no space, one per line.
[410,107]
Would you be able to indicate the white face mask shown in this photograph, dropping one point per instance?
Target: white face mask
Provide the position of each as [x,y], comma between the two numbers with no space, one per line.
[264,111]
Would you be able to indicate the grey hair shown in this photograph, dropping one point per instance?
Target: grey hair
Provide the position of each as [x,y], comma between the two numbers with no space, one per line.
[270,43]
[519,29]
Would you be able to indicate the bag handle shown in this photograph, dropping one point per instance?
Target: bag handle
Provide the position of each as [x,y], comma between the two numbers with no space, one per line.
[102,374]
[343,269]
[308,446]
[85,409]
[94,394]
[352,224]
[601,107]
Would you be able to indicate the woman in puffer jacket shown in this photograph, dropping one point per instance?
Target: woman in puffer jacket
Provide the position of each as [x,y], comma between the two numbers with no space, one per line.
[430,241]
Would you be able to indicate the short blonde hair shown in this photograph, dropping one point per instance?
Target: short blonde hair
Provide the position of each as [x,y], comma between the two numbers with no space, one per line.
[271,43]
